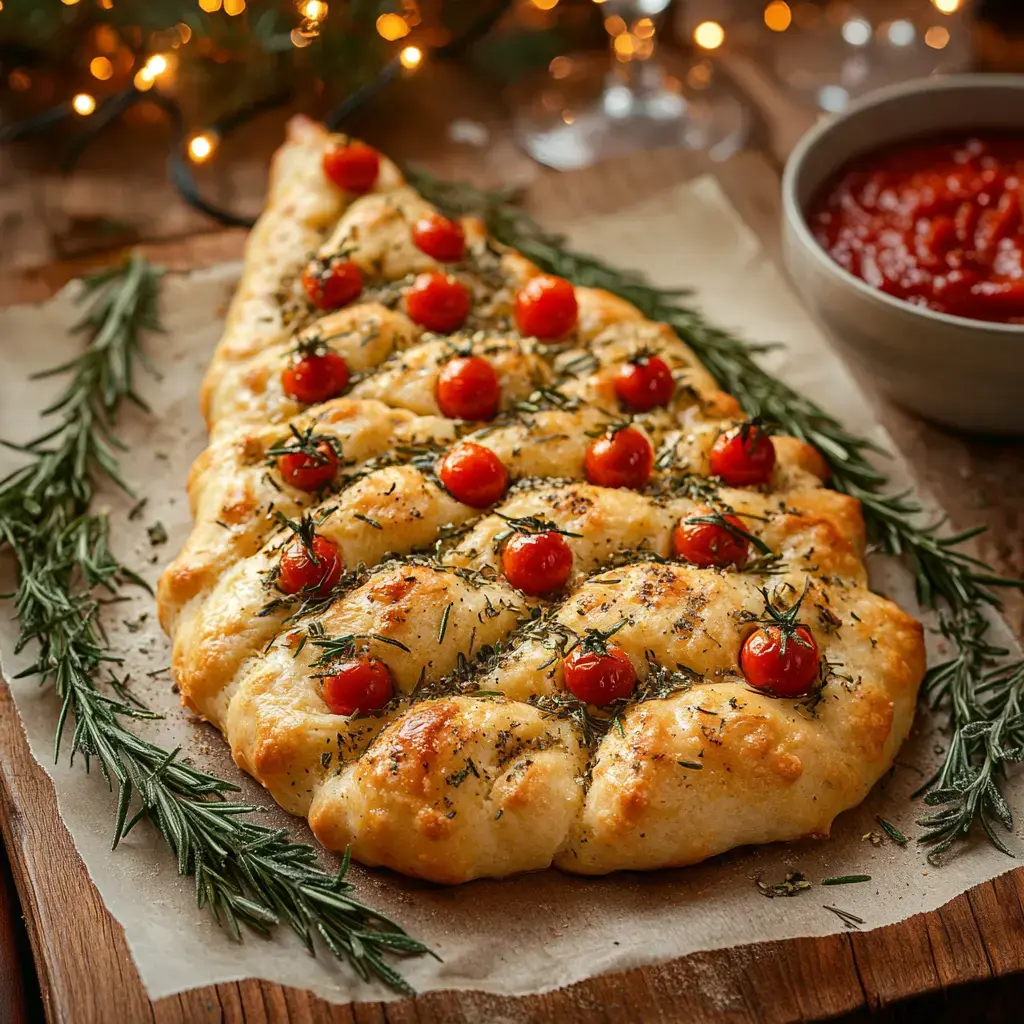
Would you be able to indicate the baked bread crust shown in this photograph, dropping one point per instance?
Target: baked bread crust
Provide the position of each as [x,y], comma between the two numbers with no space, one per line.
[473,770]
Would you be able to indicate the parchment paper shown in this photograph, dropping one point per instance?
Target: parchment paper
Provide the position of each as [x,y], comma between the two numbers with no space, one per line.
[532,933]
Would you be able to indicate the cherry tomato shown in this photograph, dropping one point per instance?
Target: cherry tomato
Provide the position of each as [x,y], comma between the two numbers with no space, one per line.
[537,563]
[363,684]
[473,475]
[645,383]
[599,678]
[743,456]
[309,472]
[780,660]
[315,378]
[710,545]
[353,167]
[438,302]
[546,307]
[333,285]
[300,572]
[468,389]
[622,459]
[440,238]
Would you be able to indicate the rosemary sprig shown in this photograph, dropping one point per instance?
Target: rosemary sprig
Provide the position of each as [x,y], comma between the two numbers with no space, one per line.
[983,702]
[246,873]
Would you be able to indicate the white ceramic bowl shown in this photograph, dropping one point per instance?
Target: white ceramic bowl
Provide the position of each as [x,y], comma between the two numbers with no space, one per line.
[965,373]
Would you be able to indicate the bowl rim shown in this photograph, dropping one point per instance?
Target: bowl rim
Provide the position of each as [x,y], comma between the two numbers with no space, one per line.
[797,220]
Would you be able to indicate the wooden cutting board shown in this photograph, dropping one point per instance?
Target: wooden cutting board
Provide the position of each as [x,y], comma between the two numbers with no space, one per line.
[85,972]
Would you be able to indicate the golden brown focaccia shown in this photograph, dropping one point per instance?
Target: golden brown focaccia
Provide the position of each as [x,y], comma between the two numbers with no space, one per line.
[487,574]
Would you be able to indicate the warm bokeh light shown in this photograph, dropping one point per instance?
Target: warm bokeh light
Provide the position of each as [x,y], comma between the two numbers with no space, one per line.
[184,32]
[699,76]
[709,35]
[143,80]
[105,5]
[411,57]
[200,148]
[614,25]
[299,38]
[69,3]
[234,7]
[643,28]
[19,81]
[947,6]
[777,16]
[209,6]
[624,45]
[544,5]
[156,65]
[314,10]
[392,27]
[560,67]
[937,37]
[101,68]
[84,104]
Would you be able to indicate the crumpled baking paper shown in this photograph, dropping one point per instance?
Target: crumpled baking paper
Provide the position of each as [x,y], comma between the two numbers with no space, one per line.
[532,933]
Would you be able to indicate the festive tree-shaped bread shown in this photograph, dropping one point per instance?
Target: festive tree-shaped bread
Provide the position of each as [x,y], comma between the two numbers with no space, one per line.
[487,574]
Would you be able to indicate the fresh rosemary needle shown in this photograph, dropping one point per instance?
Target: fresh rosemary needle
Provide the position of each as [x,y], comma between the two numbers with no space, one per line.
[246,873]
[977,688]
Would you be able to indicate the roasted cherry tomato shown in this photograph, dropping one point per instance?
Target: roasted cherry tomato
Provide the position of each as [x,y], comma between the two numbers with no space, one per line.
[468,389]
[353,168]
[782,660]
[710,544]
[473,474]
[314,378]
[622,459]
[333,284]
[645,383]
[360,685]
[537,563]
[597,678]
[309,472]
[440,238]
[743,456]
[300,572]
[438,302]
[546,308]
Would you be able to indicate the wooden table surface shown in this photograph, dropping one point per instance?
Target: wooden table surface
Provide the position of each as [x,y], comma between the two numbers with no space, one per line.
[962,962]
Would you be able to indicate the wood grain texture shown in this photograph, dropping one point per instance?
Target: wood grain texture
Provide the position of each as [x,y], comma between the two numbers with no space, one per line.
[17,972]
[954,955]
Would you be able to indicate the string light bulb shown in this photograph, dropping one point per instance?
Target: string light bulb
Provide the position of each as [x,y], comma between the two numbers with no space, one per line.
[201,147]
[947,6]
[314,10]
[156,65]
[709,35]
[411,57]
[83,104]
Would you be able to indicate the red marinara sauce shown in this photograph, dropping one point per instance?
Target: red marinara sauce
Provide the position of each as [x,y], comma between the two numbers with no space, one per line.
[936,222]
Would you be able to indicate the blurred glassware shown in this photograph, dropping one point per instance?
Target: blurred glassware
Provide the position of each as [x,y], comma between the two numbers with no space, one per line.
[829,51]
[587,107]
